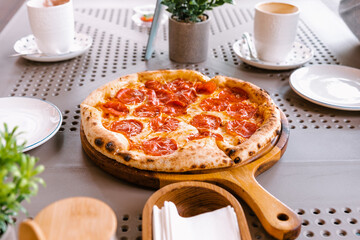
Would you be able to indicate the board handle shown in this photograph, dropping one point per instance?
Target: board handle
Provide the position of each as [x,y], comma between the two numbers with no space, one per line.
[277,219]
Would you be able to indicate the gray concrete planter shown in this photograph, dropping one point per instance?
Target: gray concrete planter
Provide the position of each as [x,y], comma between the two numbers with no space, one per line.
[188,42]
[9,234]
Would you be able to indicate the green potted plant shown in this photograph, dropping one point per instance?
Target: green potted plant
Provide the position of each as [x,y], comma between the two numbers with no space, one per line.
[18,180]
[189,28]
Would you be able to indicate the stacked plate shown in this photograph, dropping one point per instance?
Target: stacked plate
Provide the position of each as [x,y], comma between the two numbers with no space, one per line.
[331,86]
[37,120]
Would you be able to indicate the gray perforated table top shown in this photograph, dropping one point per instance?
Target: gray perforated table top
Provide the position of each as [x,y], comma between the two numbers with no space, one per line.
[318,176]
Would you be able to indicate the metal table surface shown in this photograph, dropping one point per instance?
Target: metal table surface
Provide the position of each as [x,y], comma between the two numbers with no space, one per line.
[318,176]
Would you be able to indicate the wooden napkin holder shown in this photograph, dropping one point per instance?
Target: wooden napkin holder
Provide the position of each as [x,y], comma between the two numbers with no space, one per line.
[193,198]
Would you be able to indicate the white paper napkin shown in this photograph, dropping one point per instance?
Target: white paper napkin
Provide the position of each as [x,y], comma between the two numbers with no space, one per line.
[216,225]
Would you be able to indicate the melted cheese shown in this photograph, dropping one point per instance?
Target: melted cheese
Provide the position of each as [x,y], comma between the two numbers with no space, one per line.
[181,134]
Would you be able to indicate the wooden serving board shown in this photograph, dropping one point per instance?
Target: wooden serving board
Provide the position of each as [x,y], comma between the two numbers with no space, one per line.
[277,219]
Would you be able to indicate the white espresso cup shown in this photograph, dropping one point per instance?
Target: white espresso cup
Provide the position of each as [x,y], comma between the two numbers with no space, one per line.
[52,26]
[275,27]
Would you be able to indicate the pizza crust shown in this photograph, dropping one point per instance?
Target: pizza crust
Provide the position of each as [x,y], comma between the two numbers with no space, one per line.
[269,129]
[97,135]
[205,153]
[169,75]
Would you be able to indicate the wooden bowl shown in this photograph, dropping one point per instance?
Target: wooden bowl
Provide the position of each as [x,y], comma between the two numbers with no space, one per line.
[192,198]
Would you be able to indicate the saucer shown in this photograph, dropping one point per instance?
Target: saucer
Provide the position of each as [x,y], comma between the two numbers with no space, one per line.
[137,20]
[332,86]
[38,120]
[299,55]
[146,11]
[82,42]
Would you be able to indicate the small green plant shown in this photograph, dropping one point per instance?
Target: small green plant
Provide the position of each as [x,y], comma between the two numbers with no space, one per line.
[191,10]
[18,177]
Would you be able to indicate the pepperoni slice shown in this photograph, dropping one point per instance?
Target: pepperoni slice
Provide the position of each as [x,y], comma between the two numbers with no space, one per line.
[240,93]
[159,146]
[186,96]
[153,84]
[178,85]
[164,96]
[173,109]
[226,94]
[241,127]
[129,127]
[151,97]
[206,87]
[233,95]
[130,96]
[146,110]
[204,134]
[241,110]
[213,104]
[176,102]
[206,121]
[115,108]
[164,124]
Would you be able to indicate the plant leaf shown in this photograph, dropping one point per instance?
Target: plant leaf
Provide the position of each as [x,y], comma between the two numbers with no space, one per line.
[191,10]
[18,176]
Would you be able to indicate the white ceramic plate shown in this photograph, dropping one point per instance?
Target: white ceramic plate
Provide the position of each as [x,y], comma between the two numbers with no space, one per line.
[299,55]
[37,119]
[82,42]
[331,86]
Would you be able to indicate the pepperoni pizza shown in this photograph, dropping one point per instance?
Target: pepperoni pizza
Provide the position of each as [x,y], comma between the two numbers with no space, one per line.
[179,120]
